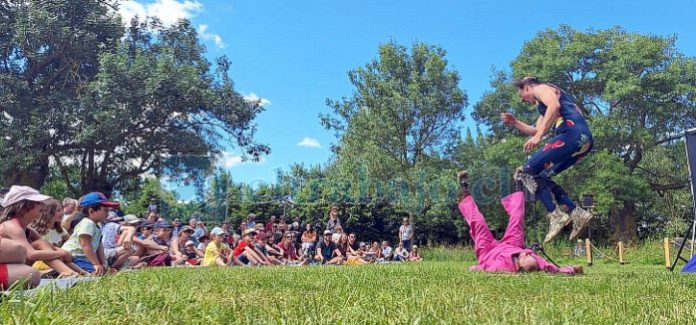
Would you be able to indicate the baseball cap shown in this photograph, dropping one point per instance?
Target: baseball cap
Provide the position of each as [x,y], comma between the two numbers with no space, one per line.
[186,228]
[95,198]
[217,231]
[327,232]
[162,224]
[132,219]
[146,225]
[19,193]
[248,231]
[189,242]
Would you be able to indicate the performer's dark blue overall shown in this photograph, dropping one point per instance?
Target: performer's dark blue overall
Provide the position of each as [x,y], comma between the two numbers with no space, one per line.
[573,142]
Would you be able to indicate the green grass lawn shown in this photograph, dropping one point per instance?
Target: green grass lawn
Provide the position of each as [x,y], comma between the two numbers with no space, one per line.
[437,291]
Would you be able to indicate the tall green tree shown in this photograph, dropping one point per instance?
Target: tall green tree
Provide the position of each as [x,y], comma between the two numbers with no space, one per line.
[104,104]
[49,54]
[402,119]
[405,107]
[157,106]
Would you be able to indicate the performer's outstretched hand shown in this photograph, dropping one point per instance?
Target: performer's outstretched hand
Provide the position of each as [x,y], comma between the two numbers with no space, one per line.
[532,143]
[578,270]
[508,118]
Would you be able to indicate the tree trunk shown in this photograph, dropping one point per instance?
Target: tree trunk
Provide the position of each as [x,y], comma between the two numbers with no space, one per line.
[97,184]
[33,176]
[623,224]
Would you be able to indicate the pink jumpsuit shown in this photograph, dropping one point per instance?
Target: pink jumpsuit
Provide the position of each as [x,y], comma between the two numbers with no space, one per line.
[497,256]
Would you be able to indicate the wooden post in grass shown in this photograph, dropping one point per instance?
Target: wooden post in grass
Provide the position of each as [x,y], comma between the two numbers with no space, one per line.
[668,262]
[621,253]
[588,249]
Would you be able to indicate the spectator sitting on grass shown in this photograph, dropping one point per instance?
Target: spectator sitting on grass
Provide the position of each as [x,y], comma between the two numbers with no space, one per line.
[152,217]
[309,238]
[269,224]
[13,268]
[400,253]
[226,228]
[274,251]
[336,236]
[342,248]
[117,239]
[259,228]
[294,226]
[25,206]
[50,218]
[193,255]
[289,252]
[200,228]
[353,245]
[271,252]
[242,227]
[251,221]
[177,226]
[69,210]
[178,245]
[387,251]
[414,256]
[85,244]
[203,242]
[48,226]
[145,231]
[377,251]
[260,245]
[216,253]
[282,225]
[245,251]
[326,250]
[157,247]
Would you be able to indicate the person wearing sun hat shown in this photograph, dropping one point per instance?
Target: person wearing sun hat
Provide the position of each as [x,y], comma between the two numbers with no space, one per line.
[21,206]
[178,245]
[85,244]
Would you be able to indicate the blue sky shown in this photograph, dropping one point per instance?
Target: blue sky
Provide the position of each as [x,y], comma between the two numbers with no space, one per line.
[295,54]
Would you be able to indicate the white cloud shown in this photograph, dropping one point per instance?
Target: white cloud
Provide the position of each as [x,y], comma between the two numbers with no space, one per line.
[253,97]
[203,31]
[168,11]
[309,143]
[230,160]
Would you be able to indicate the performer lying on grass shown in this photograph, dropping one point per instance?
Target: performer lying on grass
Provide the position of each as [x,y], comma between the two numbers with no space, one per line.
[508,254]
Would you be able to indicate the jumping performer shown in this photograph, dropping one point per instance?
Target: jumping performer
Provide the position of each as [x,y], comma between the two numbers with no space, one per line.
[509,253]
[572,142]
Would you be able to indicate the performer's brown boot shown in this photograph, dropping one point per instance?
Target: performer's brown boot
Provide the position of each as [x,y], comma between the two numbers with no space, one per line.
[527,180]
[581,219]
[557,220]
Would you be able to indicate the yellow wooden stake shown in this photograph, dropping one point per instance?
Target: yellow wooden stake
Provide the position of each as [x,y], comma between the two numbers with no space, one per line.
[588,249]
[668,262]
[621,253]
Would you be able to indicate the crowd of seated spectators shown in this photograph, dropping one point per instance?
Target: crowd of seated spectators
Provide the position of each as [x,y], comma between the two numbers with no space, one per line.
[43,237]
